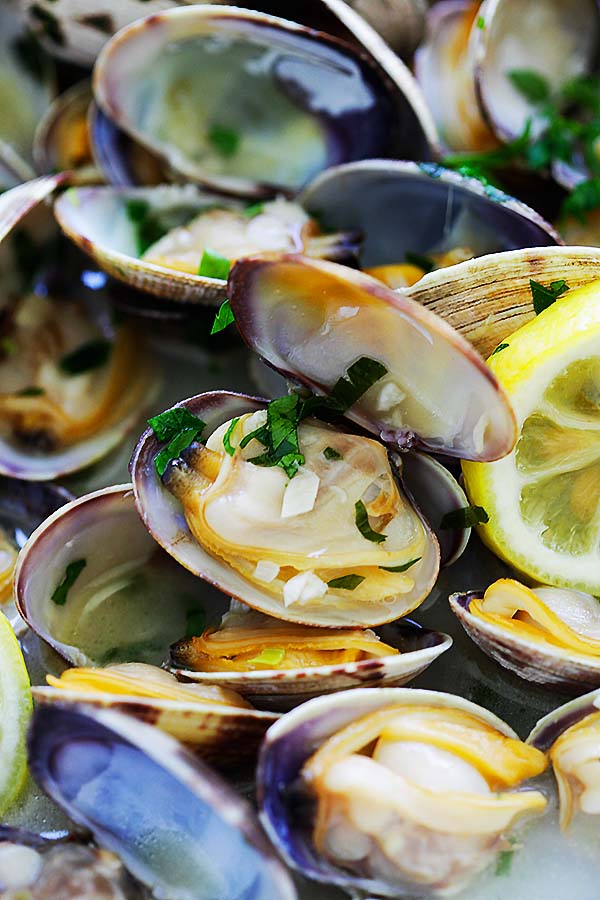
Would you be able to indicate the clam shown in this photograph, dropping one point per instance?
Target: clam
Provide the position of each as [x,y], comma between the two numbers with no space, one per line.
[73,381]
[250,104]
[62,141]
[395,792]
[570,736]
[155,239]
[548,635]
[189,837]
[422,212]
[279,665]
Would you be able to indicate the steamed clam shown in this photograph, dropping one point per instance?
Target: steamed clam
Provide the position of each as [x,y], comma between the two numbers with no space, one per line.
[395,791]
[545,634]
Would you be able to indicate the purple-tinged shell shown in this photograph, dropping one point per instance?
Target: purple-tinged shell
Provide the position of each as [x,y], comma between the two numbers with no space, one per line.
[284,809]
[541,663]
[549,728]
[317,99]
[185,834]
[61,140]
[312,320]
[163,516]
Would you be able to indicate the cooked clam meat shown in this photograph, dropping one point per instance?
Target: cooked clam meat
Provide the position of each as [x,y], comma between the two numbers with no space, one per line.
[420,795]
[400,275]
[278,226]
[8,559]
[140,680]
[63,379]
[325,525]
[562,618]
[250,641]
[575,756]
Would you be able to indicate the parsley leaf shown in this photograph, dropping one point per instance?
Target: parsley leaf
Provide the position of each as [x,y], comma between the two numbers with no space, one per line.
[486,161]
[270,657]
[403,568]
[416,259]
[195,622]
[255,209]
[480,23]
[465,518]
[213,265]
[227,436]
[499,348]
[223,318]
[148,229]
[582,199]
[86,357]
[543,297]
[180,428]
[72,573]
[361,518]
[226,141]
[530,84]
[346,582]
[331,453]
[31,392]
[361,375]
[175,448]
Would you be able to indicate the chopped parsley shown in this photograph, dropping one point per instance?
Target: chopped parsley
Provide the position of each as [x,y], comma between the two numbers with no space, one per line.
[499,348]
[533,86]
[91,355]
[361,518]
[195,622]
[361,375]
[213,265]
[31,392]
[483,164]
[331,453]
[180,428]
[466,517]
[480,23]
[223,318]
[422,262]
[271,657]
[346,582]
[403,568]
[226,141]
[255,209]
[543,297]
[148,228]
[72,573]
[582,199]
[227,436]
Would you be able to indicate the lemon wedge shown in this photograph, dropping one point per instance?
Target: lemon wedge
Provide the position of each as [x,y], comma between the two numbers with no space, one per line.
[543,499]
[15,712]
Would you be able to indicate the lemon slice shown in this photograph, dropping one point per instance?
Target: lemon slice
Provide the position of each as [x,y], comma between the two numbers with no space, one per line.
[543,499]
[15,712]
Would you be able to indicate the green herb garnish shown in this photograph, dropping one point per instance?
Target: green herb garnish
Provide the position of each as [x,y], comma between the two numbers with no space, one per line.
[255,209]
[499,348]
[465,518]
[483,164]
[213,265]
[361,375]
[86,357]
[195,622]
[72,573]
[280,435]
[403,568]
[533,86]
[480,23]
[361,518]
[583,199]
[31,392]
[416,259]
[148,228]
[224,140]
[543,297]
[223,318]
[346,582]
[271,657]
[227,436]
[180,428]
[8,346]
[331,453]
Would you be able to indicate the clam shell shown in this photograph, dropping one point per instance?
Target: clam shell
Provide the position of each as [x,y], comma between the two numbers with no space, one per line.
[222,736]
[421,208]
[292,740]
[104,529]
[371,121]
[488,298]
[287,688]
[549,728]
[61,141]
[565,670]
[303,340]
[162,515]
[188,836]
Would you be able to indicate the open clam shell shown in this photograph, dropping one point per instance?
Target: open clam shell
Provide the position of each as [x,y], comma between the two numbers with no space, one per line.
[61,142]
[286,688]
[538,661]
[189,837]
[261,107]
[332,316]
[488,298]
[163,516]
[220,733]
[288,815]
[405,207]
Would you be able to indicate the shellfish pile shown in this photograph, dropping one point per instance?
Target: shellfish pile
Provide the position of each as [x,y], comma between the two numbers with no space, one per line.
[253,260]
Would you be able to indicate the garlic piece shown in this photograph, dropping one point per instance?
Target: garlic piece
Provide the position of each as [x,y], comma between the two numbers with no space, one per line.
[266,571]
[300,494]
[303,588]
